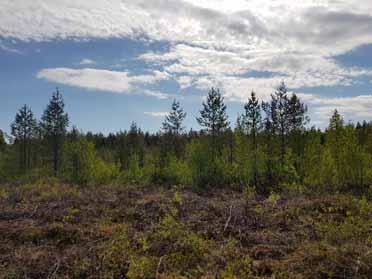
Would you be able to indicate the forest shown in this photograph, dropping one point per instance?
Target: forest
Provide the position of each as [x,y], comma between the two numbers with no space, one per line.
[270,147]
[265,195]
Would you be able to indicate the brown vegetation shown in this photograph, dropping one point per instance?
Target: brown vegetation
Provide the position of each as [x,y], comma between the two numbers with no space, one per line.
[49,230]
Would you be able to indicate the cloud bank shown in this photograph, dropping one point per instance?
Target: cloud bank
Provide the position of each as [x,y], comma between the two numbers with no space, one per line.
[223,43]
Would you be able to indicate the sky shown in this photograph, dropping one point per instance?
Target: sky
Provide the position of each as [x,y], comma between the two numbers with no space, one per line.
[120,61]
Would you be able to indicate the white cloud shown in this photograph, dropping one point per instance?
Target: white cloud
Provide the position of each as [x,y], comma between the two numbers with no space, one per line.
[196,66]
[356,108]
[330,26]
[156,113]
[213,43]
[104,80]
[86,61]
[157,94]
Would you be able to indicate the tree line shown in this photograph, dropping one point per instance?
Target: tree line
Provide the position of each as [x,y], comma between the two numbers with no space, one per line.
[269,147]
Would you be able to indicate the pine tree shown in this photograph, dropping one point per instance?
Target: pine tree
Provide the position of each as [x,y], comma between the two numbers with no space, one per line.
[270,140]
[239,124]
[2,140]
[280,99]
[54,123]
[213,116]
[297,117]
[136,144]
[335,138]
[173,129]
[336,121]
[285,114]
[252,122]
[122,150]
[23,130]
[277,116]
[173,121]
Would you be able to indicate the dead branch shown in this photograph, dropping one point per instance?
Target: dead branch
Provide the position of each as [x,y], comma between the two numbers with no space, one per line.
[228,219]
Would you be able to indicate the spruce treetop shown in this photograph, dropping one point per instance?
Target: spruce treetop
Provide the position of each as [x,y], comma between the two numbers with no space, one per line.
[252,116]
[24,125]
[54,121]
[213,116]
[173,121]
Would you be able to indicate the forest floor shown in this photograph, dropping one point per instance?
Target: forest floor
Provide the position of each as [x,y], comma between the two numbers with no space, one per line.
[62,231]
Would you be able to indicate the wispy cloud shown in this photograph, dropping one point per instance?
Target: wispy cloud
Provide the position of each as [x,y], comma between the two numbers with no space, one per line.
[158,94]
[156,113]
[103,80]
[194,66]
[86,61]
[8,48]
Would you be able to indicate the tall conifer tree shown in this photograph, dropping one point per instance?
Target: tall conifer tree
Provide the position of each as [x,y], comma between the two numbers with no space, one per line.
[173,123]
[23,130]
[213,116]
[253,123]
[54,123]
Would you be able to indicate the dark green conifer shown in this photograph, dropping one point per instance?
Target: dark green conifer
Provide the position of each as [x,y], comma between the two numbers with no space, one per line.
[54,123]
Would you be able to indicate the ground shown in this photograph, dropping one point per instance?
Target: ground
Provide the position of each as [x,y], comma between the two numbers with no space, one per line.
[53,230]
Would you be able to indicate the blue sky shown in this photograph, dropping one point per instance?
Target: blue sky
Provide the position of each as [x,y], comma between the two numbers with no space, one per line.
[121,61]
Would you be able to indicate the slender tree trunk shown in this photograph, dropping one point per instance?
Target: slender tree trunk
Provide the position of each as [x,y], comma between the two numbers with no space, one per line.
[255,159]
[282,145]
[28,155]
[21,158]
[231,148]
[55,155]
[213,145]
[24,143]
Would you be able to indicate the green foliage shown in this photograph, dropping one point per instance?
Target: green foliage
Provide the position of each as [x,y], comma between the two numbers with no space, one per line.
[141,267]
[104,172]
[116,255]
[54,123]
[81,165]
[3,173]
[55,120]
[205,171]
[327,176]
[213,115]
[173,122]
[2,140]
[135,172]
[273,198]
[175,172]
[23,130]
[270,149]
[78,161]
[182,250]
[288,172]
[249,193]
[9,169]
[239,268]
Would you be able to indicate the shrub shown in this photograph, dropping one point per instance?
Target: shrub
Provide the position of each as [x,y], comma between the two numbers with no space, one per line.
[205,171]
[115,254]
[176,172]
[103,172]
[78,161]
[182,250]
[141,267]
